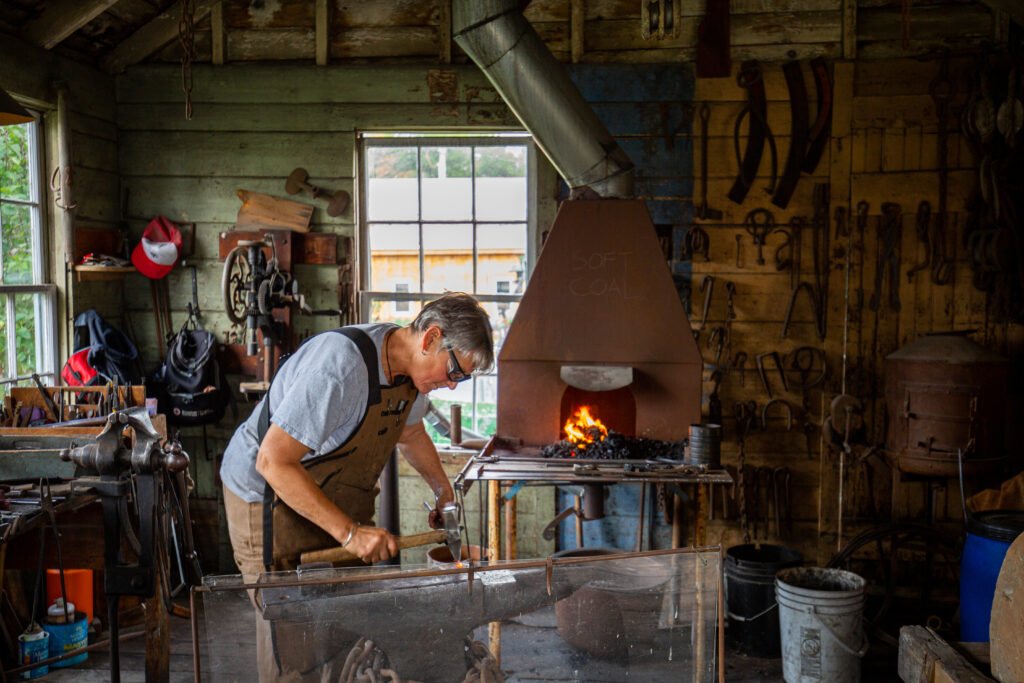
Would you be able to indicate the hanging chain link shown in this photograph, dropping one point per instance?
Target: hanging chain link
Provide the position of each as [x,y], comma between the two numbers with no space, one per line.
[187,38]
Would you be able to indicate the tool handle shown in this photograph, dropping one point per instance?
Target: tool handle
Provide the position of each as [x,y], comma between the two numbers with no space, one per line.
[343,555]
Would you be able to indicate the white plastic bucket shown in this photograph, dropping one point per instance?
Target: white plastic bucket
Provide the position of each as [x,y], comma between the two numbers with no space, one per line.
[820,620]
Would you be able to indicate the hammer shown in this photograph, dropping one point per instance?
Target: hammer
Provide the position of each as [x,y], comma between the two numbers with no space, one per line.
[450,534]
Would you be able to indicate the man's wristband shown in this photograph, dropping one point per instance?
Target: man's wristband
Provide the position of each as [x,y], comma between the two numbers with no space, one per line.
[351,533]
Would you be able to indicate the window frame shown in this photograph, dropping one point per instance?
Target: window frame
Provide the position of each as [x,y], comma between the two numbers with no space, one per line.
[45,315]
[420,139]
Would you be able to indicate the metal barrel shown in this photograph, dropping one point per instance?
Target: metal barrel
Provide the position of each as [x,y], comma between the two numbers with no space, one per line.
[705,445]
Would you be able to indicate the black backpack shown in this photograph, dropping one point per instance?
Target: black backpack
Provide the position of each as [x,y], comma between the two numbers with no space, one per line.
[190,387]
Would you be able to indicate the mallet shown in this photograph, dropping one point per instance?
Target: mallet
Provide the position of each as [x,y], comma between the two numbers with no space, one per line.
[297,180]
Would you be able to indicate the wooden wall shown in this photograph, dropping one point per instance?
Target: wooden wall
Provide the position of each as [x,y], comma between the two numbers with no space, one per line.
[884,149]
[32,73]
[251,125]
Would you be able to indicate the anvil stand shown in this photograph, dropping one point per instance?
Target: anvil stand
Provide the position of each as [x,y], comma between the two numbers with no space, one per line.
[116,466]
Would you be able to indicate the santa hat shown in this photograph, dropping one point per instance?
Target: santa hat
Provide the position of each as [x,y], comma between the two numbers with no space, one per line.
[159,249]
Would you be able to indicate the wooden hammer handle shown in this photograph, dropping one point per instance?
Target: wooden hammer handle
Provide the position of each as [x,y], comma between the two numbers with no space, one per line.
[343,555]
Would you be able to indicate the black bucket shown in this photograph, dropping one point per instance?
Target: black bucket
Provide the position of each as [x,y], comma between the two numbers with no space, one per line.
[750,596]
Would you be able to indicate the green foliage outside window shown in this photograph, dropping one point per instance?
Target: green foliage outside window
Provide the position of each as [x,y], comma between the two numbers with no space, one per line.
[16,170]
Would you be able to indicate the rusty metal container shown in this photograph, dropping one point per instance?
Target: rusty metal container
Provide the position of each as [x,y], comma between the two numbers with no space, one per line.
[946,392]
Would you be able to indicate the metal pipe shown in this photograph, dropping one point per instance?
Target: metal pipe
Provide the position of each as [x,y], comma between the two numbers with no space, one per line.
[389,515]
[537,88]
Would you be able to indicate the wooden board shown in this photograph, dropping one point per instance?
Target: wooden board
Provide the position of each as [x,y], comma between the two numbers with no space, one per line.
[1006,629]
[926,658]
[266,212]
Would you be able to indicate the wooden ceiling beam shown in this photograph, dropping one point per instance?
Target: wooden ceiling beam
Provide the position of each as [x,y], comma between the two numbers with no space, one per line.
[1013,8]
[151,37]
[61,18]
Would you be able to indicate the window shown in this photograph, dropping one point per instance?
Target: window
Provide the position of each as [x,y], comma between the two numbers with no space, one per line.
[27,327]
[448,214]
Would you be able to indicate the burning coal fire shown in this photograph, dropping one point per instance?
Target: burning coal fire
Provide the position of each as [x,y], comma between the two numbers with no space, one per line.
[582,429]
[587,437]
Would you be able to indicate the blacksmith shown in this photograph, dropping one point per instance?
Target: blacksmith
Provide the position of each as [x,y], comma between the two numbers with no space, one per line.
[301,473]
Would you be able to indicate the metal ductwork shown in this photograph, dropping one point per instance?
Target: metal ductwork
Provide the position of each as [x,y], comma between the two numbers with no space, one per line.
[537,89]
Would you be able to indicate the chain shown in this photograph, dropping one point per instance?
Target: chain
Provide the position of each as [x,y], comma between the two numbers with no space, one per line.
[187,38]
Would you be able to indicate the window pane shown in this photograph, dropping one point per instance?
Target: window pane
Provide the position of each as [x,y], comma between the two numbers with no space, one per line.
[4,370]
[394,257]
[448,257]
[501,258]
[446,184]
[501,183]
[388,311]
[25,332]
[391,184]
[486,418]
[16,245]
[15,162]
[501,315]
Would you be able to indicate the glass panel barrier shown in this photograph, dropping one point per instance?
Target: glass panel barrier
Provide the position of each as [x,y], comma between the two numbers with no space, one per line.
[624,617]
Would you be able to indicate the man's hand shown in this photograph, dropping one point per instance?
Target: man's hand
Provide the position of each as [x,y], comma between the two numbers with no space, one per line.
[435,520]
[372,544]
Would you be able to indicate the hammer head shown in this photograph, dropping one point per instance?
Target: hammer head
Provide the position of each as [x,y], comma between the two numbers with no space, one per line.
[452,533]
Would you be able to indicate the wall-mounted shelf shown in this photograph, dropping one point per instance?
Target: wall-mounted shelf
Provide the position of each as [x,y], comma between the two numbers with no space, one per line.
[93,273]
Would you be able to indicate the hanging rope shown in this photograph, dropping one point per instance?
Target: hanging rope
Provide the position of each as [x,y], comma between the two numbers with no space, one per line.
[187,38]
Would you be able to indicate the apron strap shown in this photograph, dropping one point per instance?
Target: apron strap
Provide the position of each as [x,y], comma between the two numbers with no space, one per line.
[368,351]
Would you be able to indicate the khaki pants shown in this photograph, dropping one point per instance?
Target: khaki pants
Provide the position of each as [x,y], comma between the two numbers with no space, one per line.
[306,652]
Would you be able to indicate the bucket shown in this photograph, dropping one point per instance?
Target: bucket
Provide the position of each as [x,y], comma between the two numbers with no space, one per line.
[750,596]
[79,586]
[34,646]
[616,616]
[820,622]
[441,557]
[66,636]
[989,535]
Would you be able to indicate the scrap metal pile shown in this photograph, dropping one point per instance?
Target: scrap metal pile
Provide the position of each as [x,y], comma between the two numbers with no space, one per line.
[615,446]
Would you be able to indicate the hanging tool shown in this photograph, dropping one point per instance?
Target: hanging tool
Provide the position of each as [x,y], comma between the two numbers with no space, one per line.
[707,287]
[298,180]
[890,236]
[739,362]
[814,302]
[750,79]
[744,412]
[774,356]
[942,91]
[808,363]
[819,135]
[703,211]
[714,402]
[798,133]
[758,224]
[739,238]
[698,242]
[780,479]
[767,406]
[717,340]
[922,227]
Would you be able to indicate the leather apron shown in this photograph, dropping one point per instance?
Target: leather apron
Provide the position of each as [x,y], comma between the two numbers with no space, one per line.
[348,475]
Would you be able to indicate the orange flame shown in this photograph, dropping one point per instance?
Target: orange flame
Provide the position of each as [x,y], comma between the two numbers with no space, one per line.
[577,428]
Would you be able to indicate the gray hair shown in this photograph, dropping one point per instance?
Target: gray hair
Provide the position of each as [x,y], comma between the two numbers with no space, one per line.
[465,325]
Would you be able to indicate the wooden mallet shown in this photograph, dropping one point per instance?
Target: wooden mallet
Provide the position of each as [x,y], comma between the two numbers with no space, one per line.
[298,180]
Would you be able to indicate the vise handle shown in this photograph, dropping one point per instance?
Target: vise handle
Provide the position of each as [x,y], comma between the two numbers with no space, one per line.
[344,555]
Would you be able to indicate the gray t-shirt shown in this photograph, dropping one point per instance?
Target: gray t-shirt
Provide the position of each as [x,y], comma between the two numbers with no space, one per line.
[318,397]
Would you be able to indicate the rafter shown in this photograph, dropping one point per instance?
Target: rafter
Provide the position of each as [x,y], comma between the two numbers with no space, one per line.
[1013,8]
[151,37]
[61,18]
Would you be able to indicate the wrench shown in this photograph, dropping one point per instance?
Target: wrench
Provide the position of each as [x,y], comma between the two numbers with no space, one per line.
[704,211]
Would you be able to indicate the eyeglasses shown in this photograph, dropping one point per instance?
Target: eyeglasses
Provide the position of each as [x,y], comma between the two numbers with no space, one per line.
[455,371]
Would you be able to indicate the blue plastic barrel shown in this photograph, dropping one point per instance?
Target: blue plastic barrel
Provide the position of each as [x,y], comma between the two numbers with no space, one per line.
[989,535]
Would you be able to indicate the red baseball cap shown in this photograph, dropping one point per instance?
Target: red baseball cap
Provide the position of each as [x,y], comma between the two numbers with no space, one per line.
[159,249]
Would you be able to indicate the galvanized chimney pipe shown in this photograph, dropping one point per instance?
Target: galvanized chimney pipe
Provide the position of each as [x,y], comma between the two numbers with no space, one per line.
[537,89]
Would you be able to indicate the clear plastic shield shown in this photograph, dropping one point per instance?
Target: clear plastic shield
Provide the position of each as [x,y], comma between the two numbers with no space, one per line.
[630,617]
